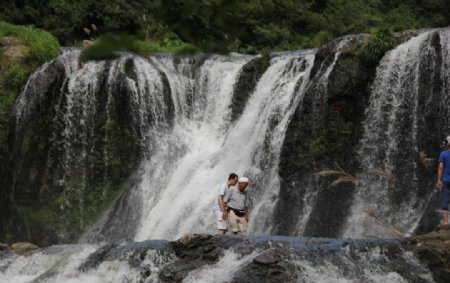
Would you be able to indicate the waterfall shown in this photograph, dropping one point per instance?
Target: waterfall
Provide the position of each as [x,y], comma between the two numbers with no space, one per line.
[190,160]
[394,137]
[175,126]
[179,115]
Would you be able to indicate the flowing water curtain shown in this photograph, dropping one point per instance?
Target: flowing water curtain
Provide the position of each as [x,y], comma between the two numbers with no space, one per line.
[192,157]
[277,95]
[202,90]
[317,92]
[393,124]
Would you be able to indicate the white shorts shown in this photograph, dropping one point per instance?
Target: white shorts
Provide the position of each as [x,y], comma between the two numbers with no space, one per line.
[221,224]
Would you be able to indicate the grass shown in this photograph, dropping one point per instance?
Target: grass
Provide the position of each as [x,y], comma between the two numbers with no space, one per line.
[108,46]
[379,42]
[340,174]
[44,46]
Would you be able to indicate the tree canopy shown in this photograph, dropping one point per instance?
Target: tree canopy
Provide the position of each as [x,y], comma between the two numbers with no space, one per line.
[226,25]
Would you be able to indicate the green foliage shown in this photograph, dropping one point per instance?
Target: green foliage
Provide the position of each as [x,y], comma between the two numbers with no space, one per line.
[321,38]
[15,76]
[213,25]
[227,25]
[43,45]
[379,42]
[108,46]
[331,142]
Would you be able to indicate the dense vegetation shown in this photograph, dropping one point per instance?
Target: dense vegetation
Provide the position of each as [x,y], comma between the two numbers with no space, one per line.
[226,25]
[34,47]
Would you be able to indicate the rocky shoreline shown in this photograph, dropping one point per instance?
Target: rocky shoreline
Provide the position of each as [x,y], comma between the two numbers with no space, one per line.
[424,258]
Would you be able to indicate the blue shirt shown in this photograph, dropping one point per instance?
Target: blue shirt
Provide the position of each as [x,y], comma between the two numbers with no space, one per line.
[444,158]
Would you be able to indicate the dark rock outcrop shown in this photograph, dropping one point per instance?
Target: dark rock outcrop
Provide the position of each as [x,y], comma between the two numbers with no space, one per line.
[324,131]
[50,202]
[249,77]
[255,259]
[433,249]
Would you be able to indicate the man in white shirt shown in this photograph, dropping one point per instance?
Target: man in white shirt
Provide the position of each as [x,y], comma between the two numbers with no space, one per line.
[220,210]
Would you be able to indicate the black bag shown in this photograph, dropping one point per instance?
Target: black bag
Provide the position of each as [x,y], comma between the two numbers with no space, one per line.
[238,212]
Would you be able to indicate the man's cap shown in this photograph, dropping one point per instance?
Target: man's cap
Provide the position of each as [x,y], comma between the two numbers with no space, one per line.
[447,140]
[244,180]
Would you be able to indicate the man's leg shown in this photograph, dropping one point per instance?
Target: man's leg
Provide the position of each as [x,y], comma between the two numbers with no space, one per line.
[243,225]
[234,222]
[445,218]
[445,201]
[221,224]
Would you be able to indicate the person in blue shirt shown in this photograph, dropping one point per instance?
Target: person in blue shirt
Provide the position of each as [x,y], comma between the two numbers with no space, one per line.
[443,182]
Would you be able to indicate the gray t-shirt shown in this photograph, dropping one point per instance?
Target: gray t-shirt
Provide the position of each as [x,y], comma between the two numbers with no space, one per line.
[236,199]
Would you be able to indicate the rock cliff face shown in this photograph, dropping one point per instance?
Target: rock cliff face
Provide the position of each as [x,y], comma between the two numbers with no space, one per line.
[381,123]
[324,131]
[60,176]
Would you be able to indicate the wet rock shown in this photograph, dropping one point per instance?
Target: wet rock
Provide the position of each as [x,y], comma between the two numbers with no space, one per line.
[175,272]
[23,247]
[433,249]
[267,258]
[270,266]
[87,43]
[3,247]
[324,130]
[195,246]
[249,77]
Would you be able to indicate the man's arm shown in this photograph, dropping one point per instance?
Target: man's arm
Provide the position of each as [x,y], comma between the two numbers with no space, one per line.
[439,180]
[223,207]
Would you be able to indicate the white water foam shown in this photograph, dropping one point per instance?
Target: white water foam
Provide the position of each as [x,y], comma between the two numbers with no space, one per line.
[223,270]
[394,91]
[203,147]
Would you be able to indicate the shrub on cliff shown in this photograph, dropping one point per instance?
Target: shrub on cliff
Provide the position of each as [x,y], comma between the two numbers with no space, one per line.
[43,45]
[23,49]
[38,47]
[107,47]
[379,42]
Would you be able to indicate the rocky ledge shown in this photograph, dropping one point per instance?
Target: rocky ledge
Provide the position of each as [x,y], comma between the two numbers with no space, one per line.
[433,249]
[202,258]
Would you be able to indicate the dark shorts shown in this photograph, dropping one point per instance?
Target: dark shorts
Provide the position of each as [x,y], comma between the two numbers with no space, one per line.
[445,195]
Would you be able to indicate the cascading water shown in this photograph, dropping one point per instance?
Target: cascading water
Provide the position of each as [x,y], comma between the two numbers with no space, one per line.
[388,185]
[203,146]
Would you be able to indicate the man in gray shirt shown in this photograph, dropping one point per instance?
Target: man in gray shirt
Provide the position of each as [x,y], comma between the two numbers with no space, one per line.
[237,204]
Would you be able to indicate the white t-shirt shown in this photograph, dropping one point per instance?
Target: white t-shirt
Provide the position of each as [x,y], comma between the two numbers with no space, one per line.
[222,192]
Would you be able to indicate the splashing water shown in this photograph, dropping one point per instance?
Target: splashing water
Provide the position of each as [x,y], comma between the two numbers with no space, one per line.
[209,146]
[392,121]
